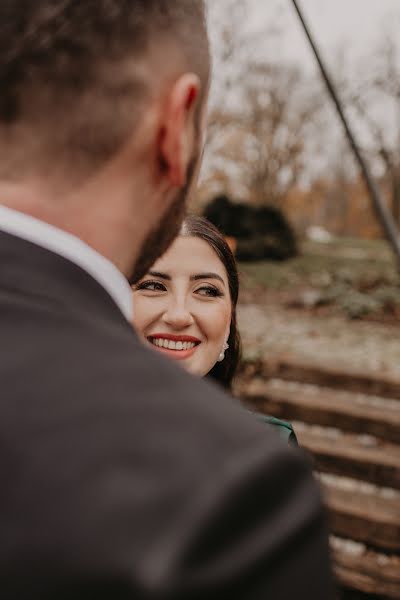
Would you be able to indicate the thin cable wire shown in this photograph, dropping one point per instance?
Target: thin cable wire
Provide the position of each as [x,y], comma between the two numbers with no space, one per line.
[385,218]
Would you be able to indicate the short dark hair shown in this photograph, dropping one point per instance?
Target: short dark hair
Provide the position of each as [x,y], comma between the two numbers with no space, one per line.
[195,226]
[64,67]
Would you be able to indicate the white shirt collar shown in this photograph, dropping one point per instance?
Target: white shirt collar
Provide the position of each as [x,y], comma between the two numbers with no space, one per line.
[73,249]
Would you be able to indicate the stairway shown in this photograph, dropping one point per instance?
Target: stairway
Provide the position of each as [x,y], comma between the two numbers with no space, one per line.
[349,423]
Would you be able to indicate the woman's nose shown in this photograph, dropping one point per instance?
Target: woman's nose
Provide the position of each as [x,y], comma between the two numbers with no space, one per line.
[178,315]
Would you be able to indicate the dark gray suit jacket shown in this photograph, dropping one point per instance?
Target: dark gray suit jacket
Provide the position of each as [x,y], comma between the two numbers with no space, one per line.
[123,477]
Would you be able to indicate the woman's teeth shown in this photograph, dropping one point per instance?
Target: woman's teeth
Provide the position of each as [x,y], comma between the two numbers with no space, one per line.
[171,345]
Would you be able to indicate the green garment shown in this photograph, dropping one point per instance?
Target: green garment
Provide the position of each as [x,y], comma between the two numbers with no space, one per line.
[284,428]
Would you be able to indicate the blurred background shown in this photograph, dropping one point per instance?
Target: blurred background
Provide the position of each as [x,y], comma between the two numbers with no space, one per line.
[319,311]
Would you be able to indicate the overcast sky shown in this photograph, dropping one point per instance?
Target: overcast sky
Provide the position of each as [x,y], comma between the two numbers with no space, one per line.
[353,28]
[353,24]
[346,31]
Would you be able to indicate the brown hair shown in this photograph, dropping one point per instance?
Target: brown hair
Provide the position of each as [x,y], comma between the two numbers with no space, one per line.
[72,77]
[199,227]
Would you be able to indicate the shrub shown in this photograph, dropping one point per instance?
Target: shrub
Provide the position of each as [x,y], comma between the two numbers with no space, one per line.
[261,232]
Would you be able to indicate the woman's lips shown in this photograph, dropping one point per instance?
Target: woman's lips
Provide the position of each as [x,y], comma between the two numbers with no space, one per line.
[174,337]
[178,347]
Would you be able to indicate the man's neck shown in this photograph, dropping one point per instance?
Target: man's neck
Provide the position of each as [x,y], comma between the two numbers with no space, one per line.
[71,248]
[102,229]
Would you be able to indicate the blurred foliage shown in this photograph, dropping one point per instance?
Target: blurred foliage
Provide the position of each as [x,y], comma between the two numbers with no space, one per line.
[358,278]
[273,137]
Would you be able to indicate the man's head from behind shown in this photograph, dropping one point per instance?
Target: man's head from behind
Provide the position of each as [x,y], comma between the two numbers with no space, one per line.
[101,112]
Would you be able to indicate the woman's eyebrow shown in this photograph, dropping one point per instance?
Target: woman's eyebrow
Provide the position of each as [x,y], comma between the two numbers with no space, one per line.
[160,275]
[207,276]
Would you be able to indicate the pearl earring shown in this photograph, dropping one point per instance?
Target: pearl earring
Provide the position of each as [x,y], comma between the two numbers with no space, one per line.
[222,353]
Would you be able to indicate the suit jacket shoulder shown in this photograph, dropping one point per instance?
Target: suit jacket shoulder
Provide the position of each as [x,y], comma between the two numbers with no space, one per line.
[121,472]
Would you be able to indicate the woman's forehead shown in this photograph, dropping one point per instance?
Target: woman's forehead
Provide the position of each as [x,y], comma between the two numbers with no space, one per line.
[190,255]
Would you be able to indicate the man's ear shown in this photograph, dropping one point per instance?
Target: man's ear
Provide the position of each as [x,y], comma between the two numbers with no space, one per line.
[178,130]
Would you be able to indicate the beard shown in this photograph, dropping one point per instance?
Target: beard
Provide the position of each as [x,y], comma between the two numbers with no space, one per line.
[160,238]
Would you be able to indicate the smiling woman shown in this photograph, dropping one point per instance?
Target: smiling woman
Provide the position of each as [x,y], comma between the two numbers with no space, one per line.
[185,306]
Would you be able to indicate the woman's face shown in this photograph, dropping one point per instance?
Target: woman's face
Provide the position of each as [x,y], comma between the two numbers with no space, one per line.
[182,307]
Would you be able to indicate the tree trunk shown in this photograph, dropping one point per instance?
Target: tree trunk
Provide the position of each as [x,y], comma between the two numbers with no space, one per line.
[396,198]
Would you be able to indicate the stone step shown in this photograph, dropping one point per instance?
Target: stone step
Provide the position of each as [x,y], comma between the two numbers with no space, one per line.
[359,457]
[353,412]
[368,518]
[291,369]
[360,568]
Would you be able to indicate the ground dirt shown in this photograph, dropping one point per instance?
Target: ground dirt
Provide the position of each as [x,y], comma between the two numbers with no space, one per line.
[270,332]
[337,305]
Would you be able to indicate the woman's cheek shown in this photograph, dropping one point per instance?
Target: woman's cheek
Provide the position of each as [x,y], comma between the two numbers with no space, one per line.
[143,314]
[216,320]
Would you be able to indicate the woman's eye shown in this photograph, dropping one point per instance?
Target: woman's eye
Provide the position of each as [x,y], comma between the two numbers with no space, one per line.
[151,286]
[209,291]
